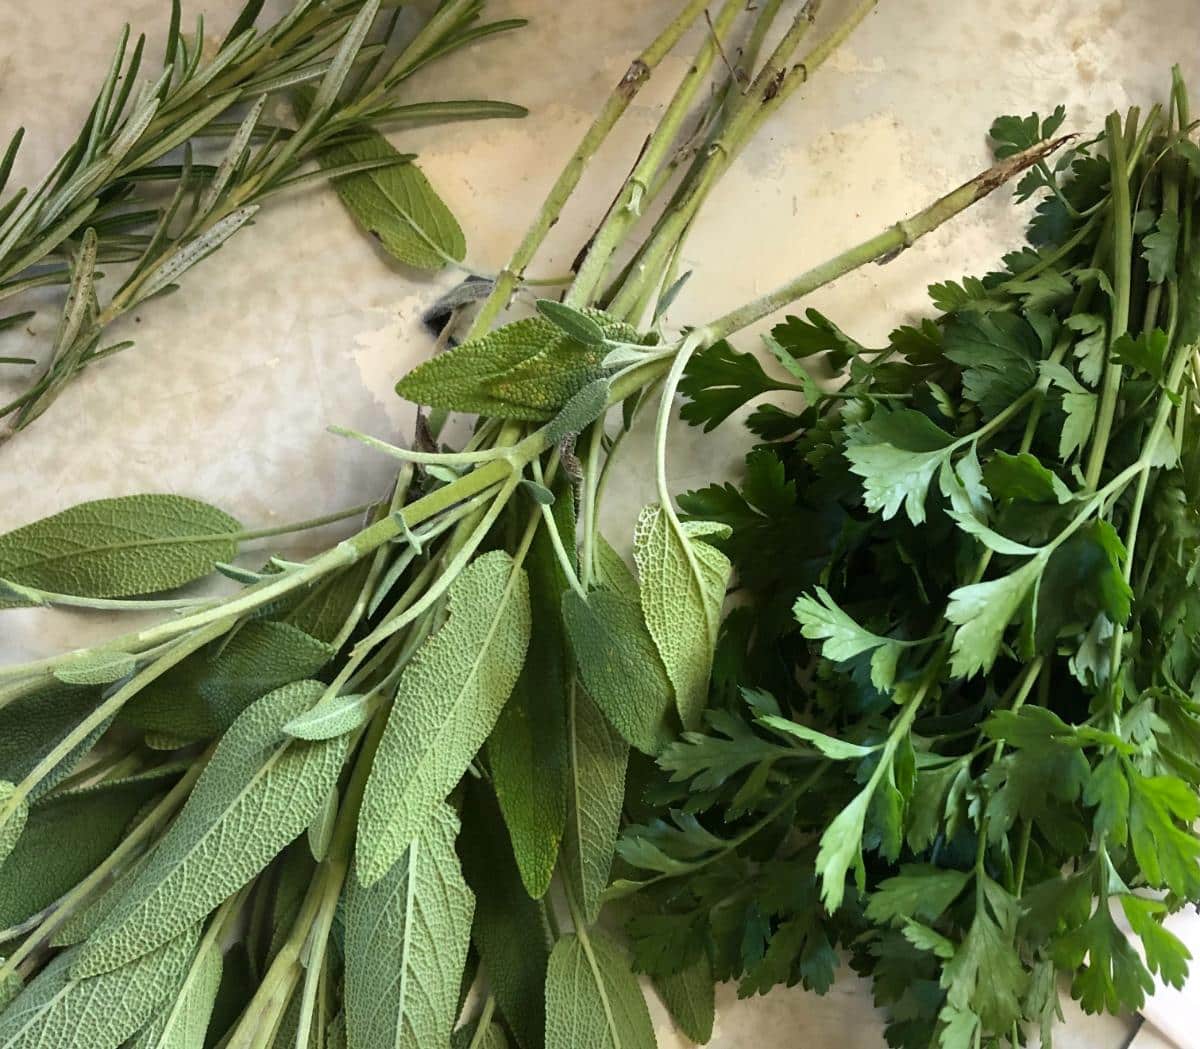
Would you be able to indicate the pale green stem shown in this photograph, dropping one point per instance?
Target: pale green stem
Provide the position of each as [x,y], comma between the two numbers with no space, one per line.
[1122,275]
[628,208]
[883,246]
[636,75]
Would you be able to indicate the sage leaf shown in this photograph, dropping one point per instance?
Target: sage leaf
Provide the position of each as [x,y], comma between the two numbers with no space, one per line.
[108,548]
[331,718]
[257,793]
[320,831]
[446,705]
[527,750]
[583,409]
[593,1000]
[690,998]
[205,693]
[612,571]
[184,1023]
[322,611]
[580,326]
[683,581]
[65,839]
[599,759]
[508,930]
[99,669]
[12,822]
[406,944]
[620,666]
[67,1011]
[396,204]
[526,370]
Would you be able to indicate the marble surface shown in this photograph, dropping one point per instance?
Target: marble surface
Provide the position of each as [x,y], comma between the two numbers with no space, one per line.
[300,323]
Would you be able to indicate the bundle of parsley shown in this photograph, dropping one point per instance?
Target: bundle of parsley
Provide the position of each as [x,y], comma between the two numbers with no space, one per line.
[956,726]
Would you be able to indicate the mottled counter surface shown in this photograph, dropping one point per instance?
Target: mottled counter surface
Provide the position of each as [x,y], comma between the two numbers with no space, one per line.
[300,323]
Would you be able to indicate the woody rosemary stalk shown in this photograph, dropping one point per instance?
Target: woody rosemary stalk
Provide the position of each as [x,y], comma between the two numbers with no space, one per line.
[416,739]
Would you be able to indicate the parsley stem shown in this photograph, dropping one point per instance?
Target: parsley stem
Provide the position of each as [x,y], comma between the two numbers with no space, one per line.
[1122,259]
[883,246]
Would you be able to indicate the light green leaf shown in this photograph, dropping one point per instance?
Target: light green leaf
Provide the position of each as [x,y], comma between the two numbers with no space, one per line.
[965,511]
[613,572]
[525,370]
[10,987]
[259,791]
[12,823]
[584,408]
[683,581]
[593,1000]
[65,838]
[406,944]
[509,929]
[599,758]
[396,204]
[841,849]
[99,669]
[527,750]
[137,544]
[184,1023]
[920,891]
[620,666]
[982,611]
[896,453]
[579,325]
[446,705]
[470,1037]
[830,746]
[334,717]
[66,1011]
[1078,403]
[205,693]
[822,619]
[690,997]
[320,831]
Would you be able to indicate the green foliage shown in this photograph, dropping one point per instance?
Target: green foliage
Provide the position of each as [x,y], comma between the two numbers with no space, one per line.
[137,544]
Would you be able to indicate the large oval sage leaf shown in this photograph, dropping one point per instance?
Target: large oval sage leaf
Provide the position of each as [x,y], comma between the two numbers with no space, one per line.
[683,581]
[406,944]
[397,205]
[599,760]
[136,544]
[526,370]
[527,750]
[593,1000]
[66,1011]
[183,1022]
[259,792]
[65,838]
[446,704]
[621,667]
[203,695]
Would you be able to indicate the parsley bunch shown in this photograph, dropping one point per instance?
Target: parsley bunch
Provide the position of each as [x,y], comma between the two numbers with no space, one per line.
[956,729]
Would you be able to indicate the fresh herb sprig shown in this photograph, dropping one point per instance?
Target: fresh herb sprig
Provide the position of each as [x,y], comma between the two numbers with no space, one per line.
[402,764]
[335,60]
[958,731]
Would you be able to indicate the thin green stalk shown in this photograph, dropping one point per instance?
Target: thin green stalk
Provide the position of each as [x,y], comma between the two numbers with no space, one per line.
[1122,275]
[629,203]
[639,71]
[883,246]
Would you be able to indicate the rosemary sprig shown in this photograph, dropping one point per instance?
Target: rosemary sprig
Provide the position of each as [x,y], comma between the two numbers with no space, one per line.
[338,55]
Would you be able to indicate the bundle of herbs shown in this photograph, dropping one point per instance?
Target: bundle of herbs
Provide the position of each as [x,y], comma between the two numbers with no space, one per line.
[373,798]
[956,728]
[134,191]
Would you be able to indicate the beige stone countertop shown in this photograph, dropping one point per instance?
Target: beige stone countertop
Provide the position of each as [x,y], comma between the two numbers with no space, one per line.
[300,322]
